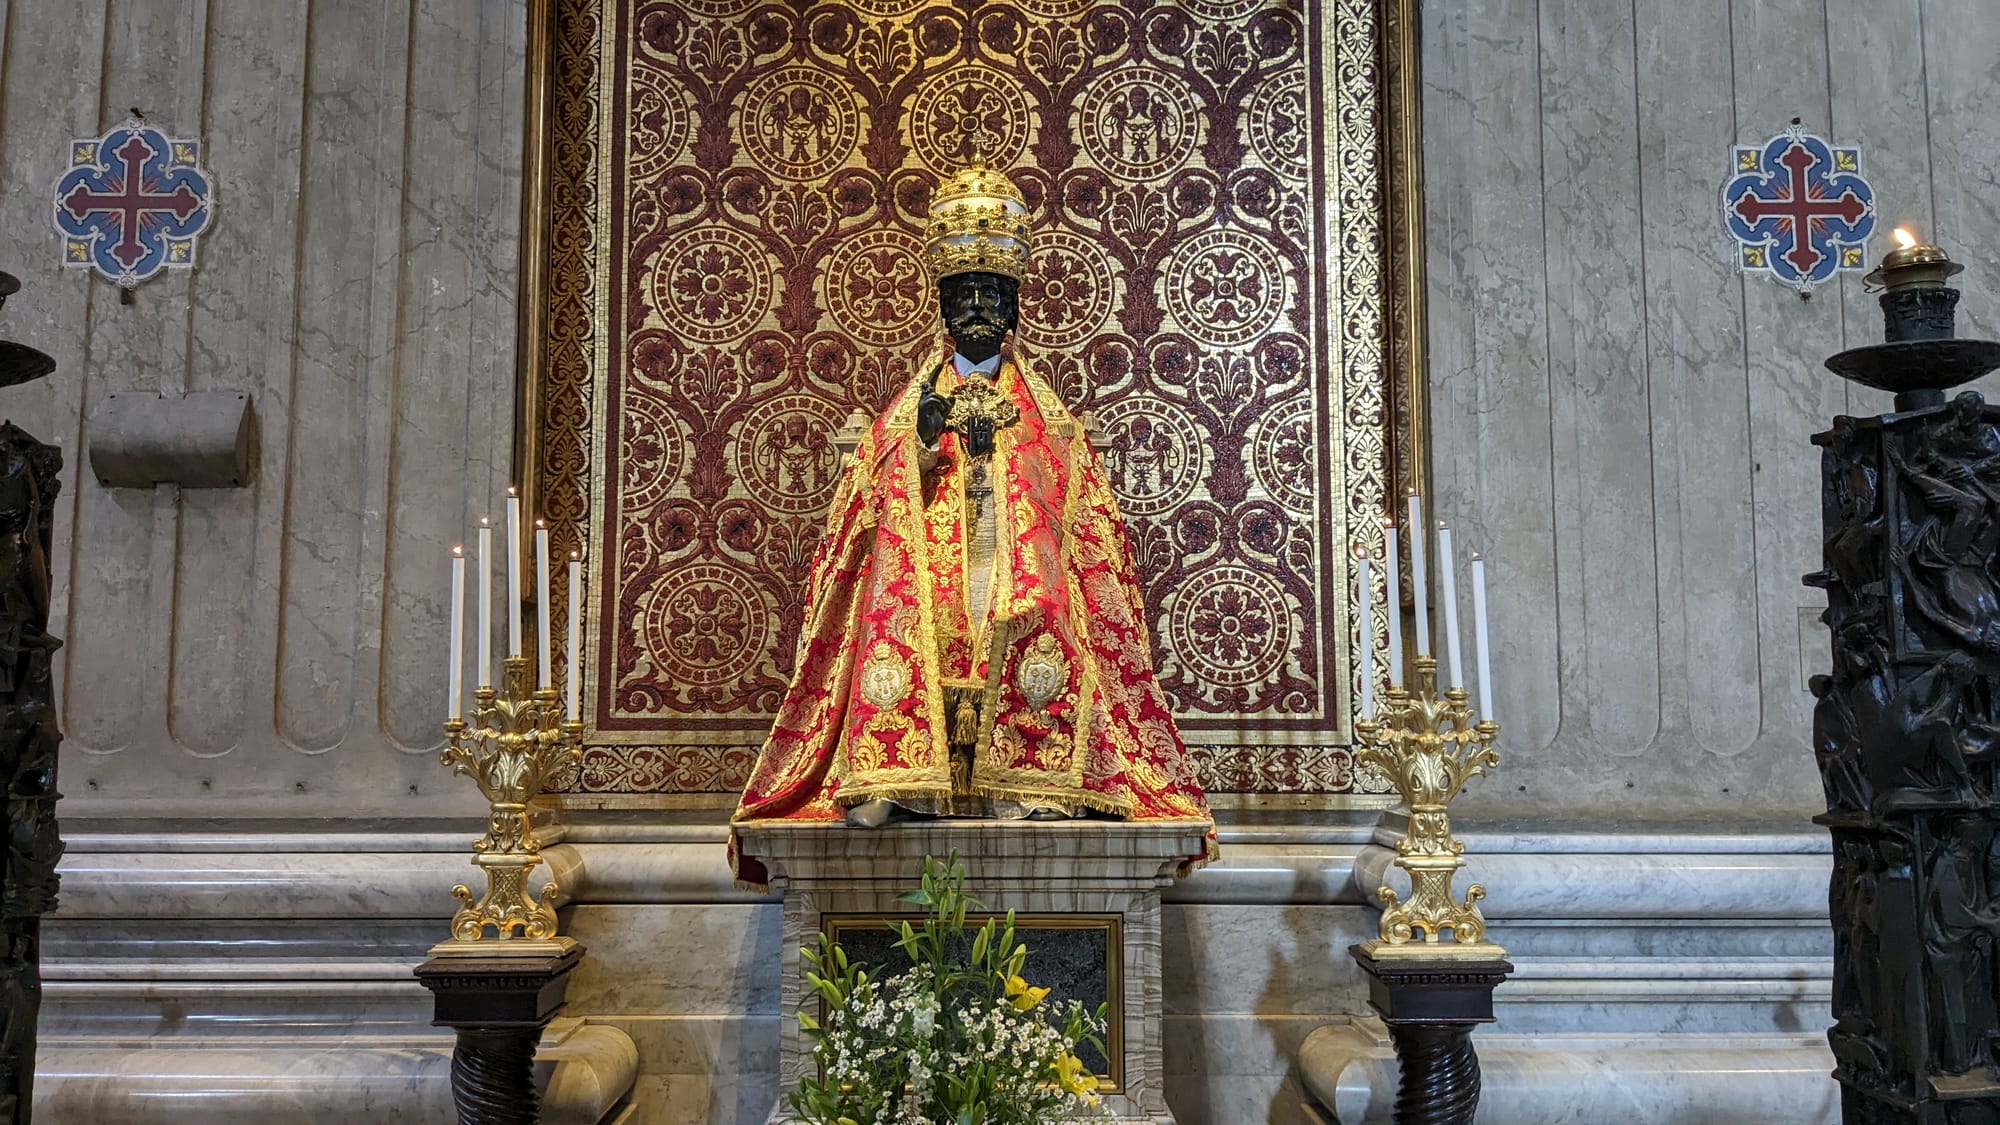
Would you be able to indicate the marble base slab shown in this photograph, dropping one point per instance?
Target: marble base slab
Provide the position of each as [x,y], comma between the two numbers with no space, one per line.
[300,939]
[1589,1080]
[1662,974]
[1070,867]
[216,978]
[584,1077]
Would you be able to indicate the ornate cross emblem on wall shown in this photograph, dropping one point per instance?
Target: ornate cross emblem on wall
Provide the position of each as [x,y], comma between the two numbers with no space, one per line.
[1799,208]
[132,203]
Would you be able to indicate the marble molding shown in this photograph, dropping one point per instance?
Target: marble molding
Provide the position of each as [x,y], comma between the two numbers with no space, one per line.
[1081,866]
[249,945]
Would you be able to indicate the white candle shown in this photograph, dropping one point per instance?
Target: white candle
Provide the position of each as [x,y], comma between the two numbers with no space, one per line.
[1419,582]
[1448,598]
[1479,638]
[513,572]
[573,656]
[543,680]
[1392,576]
[485,602]
[456,664]
[1362,590]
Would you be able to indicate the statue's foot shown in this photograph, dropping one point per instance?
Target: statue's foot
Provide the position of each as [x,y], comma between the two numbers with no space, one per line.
[1044,812]
[871,814]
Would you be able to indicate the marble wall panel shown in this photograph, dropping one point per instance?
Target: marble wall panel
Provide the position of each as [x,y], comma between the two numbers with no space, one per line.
[1619,417]
[1489,328]
[1607,660]
[273,650]
[1700,530]
[1960,51]
[118,629]
[239,339]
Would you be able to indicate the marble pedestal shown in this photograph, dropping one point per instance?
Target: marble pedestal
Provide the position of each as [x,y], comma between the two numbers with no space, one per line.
[1070,867]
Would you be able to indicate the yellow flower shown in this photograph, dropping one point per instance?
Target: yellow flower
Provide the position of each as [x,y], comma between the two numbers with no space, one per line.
[1024,995]
[1073,1079]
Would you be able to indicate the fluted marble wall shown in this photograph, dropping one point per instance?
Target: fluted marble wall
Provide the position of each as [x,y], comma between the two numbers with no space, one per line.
[1618,415]
[274,649]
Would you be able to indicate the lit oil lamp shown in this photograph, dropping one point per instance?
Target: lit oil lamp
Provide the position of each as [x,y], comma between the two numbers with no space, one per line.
[1912,264]
[1921,356]
[1916,302]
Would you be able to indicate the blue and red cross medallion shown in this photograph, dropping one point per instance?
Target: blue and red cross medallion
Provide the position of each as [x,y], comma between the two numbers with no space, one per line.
[1799,208]
[132,202]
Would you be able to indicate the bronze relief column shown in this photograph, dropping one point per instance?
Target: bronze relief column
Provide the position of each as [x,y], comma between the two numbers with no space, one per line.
[1907,724]
[28,733]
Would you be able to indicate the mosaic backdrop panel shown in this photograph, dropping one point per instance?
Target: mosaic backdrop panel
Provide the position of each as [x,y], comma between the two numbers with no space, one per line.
[737,194]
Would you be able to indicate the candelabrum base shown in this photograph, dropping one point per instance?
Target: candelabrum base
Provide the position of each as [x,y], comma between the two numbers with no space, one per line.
[504,947]
[1432,950]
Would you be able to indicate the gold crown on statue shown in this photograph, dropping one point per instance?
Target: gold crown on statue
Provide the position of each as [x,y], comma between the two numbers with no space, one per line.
[979,221]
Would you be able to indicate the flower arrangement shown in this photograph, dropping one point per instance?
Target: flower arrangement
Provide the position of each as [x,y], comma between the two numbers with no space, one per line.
[957,1039]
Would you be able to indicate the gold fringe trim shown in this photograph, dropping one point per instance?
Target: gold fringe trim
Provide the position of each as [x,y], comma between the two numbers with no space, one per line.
[857,794]
[1028,796]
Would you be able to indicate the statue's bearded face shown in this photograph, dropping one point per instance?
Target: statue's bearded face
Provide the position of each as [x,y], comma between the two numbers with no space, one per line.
[979,310]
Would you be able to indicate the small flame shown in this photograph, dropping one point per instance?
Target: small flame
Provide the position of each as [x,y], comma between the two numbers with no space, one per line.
[485,522]
[458,549]
[1904,238]
[541,524]
[511,491]
[576,556]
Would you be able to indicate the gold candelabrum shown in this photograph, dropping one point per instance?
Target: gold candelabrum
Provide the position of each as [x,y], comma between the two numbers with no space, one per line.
[510,747]
[1430,745]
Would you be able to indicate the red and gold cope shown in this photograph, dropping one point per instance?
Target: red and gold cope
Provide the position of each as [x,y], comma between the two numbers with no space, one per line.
[1062,659]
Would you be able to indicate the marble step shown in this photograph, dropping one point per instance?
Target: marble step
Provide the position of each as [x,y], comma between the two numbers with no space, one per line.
[585,1071]
[1351,1072]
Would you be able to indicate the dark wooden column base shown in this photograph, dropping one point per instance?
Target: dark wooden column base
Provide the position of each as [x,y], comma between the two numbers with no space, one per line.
[498,1006]
[1431,1007]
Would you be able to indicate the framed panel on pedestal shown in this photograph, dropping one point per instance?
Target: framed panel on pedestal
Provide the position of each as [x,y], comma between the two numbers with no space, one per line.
[1078,957]
[724,204]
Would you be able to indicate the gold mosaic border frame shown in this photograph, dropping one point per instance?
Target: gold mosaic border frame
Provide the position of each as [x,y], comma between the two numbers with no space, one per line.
[1375,308]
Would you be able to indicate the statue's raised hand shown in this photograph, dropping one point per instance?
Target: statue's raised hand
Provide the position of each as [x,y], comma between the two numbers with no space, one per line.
[932,410]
